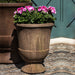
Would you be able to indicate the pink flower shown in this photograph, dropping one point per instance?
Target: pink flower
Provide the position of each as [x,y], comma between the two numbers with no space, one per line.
[24,9]
[43,8]
[20,10]
[15,12]
[52,9]
[30,8]
[39,8]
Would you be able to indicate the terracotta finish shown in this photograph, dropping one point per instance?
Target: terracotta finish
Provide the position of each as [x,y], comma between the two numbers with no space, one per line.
[8,55]
[6,58]
[7,29]
[34,42]
[33,55]
[33,68]
[14,4]
[37,25]
[5,41]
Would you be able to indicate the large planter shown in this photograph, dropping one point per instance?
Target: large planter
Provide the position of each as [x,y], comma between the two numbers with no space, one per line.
[34,42]
[8,45]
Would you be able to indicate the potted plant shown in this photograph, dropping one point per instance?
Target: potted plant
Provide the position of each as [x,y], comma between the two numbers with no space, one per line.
[34,27]
[7,7]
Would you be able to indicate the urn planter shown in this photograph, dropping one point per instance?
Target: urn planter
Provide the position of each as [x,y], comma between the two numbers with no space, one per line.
[6,29]
[34,42]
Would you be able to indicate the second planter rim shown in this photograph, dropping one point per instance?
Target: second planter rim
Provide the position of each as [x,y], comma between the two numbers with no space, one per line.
[14,4]
[36,25]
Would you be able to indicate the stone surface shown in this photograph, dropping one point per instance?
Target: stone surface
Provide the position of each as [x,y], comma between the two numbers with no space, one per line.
[60,61]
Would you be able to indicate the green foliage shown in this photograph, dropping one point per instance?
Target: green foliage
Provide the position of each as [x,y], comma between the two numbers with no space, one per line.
[33,17]
[12,1]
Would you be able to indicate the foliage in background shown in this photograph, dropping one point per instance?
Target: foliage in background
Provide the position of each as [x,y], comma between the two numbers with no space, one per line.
[31,15]
[12,1]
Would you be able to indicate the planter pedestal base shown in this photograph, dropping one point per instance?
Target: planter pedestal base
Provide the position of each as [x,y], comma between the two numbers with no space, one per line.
[33,60]
[33,68]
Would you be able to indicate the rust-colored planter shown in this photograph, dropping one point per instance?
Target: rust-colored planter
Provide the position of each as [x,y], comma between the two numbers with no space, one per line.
[8,43]
[34,42]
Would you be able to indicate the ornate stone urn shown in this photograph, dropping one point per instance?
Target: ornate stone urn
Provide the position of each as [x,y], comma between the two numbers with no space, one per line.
[34,42]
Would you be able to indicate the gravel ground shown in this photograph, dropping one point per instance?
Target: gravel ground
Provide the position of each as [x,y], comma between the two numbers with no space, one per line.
[60,61]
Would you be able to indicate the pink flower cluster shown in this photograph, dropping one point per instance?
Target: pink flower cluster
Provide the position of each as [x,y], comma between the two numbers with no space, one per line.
[45,9]
[21,9]
[40,8]
[52,9]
